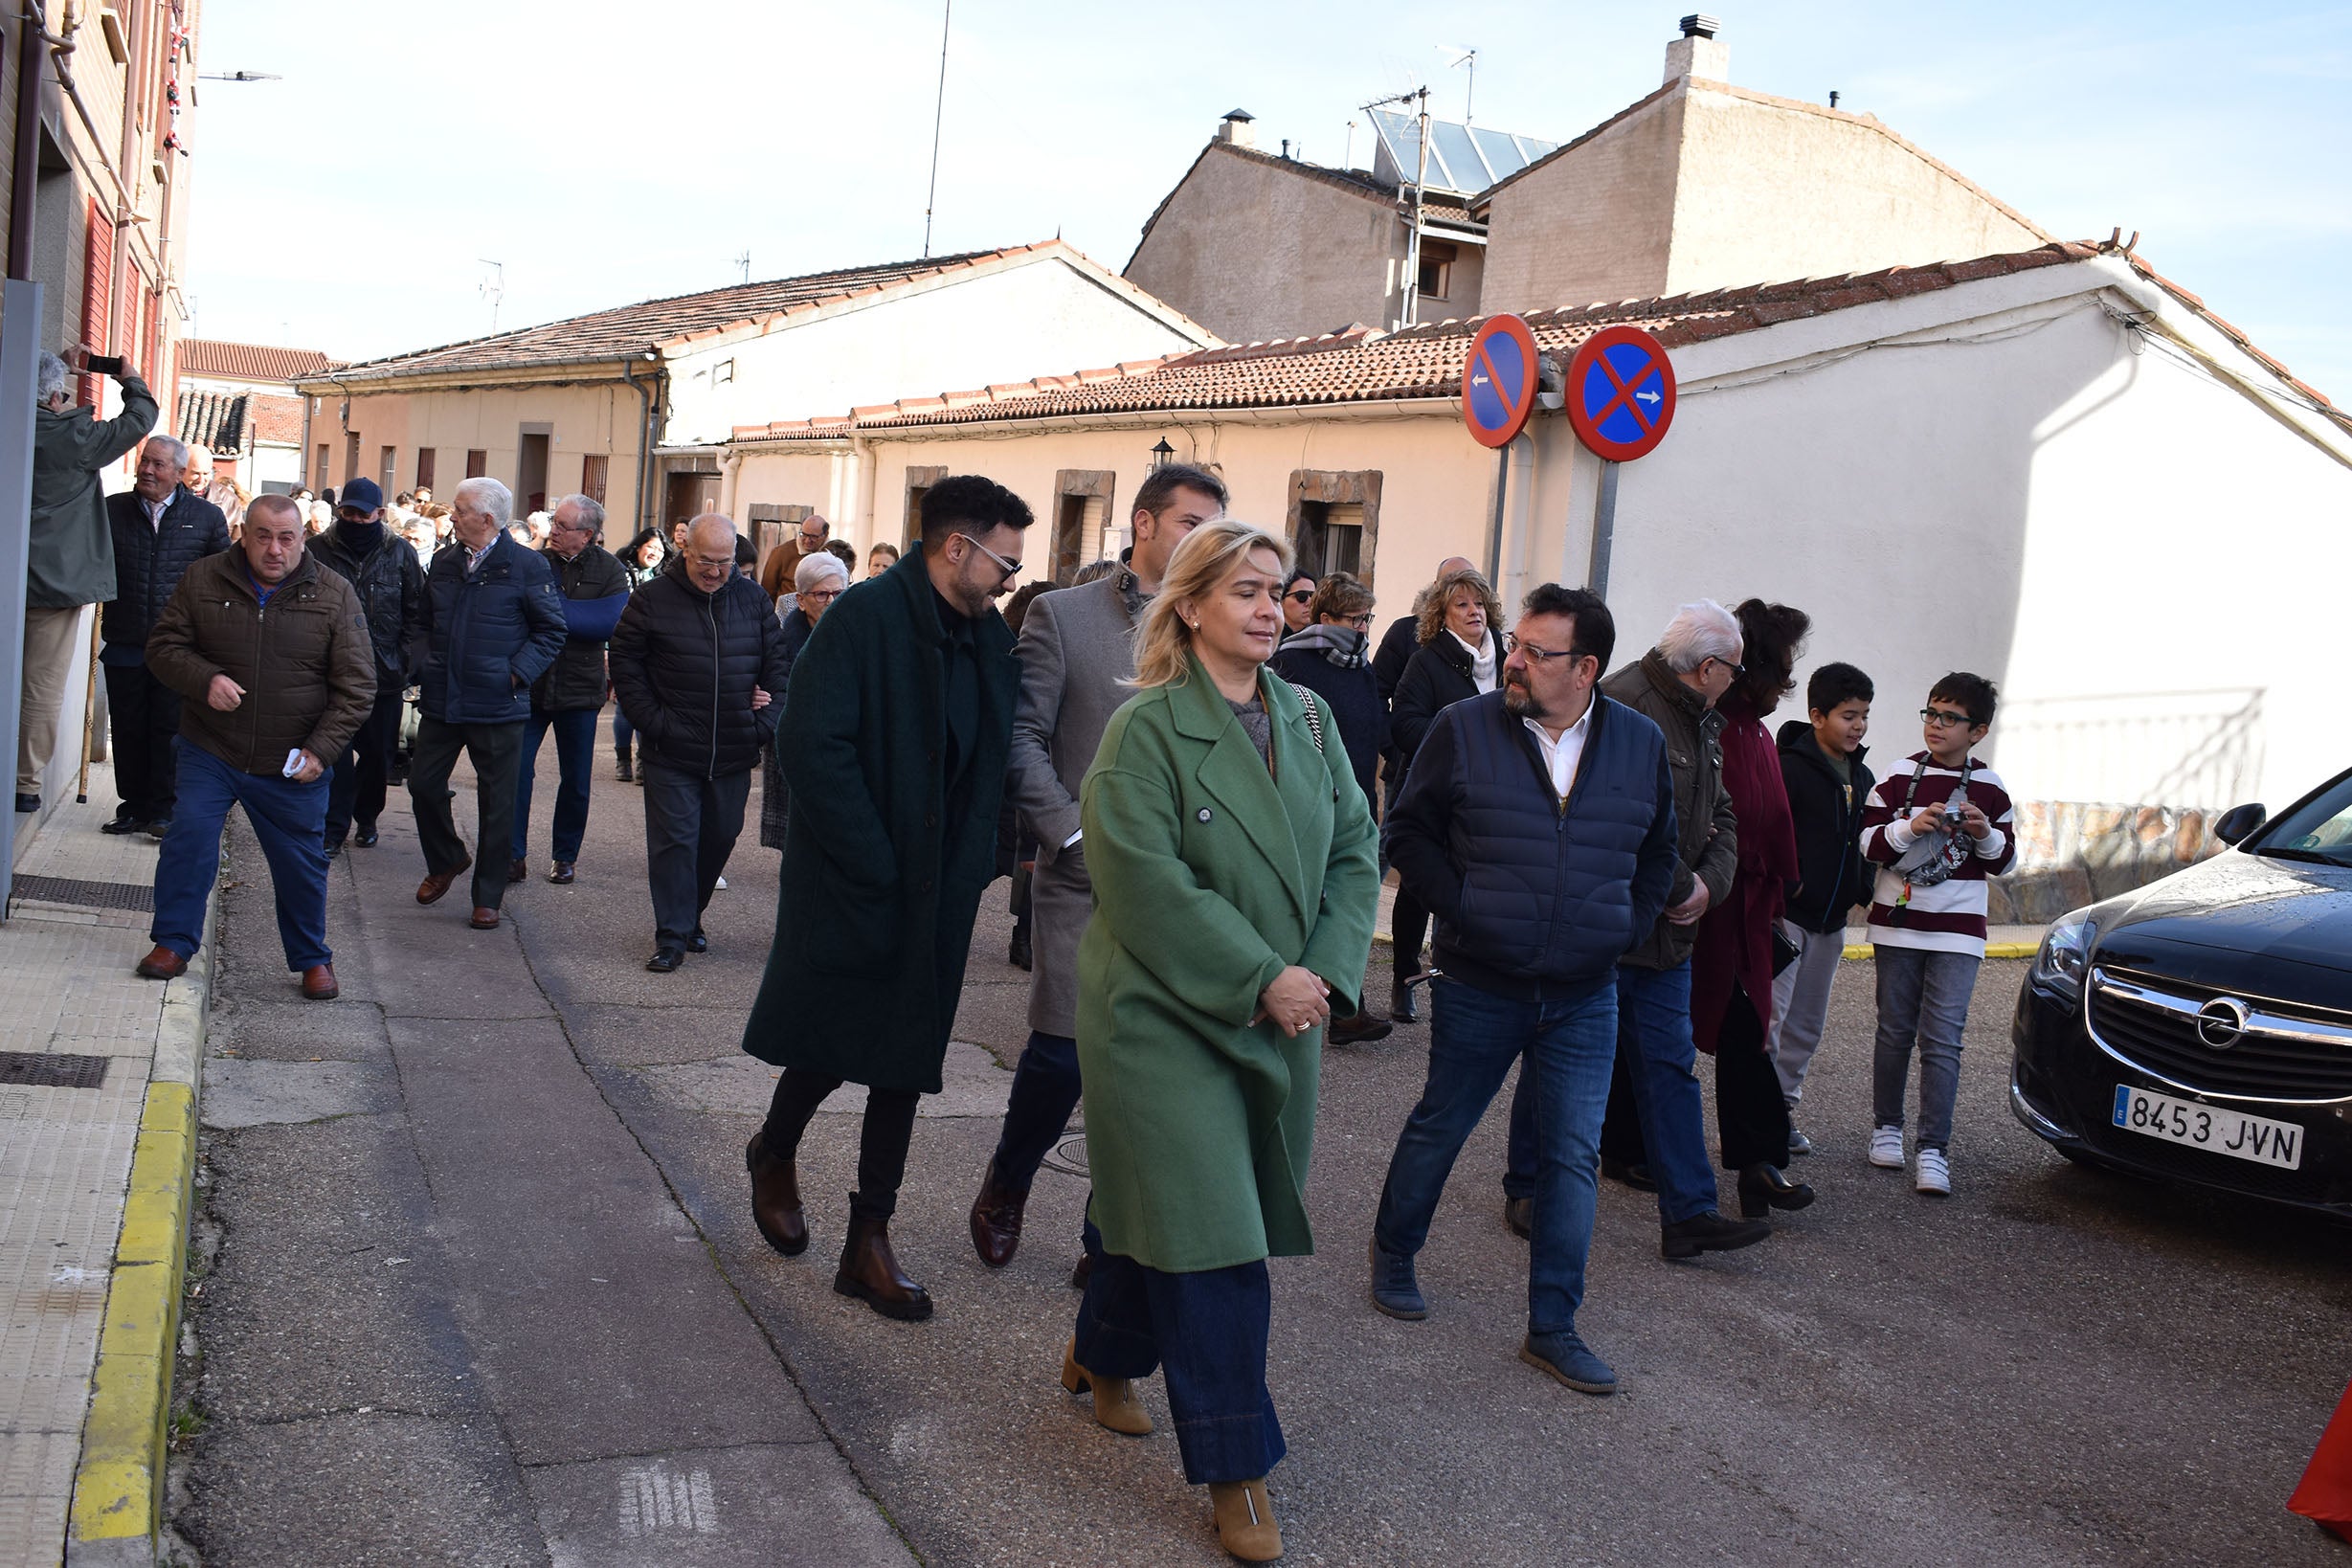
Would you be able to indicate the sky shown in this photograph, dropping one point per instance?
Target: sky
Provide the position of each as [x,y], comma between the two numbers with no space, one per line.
[602,157]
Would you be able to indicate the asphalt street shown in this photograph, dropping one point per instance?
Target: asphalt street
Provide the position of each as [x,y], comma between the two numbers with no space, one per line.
[480,1286]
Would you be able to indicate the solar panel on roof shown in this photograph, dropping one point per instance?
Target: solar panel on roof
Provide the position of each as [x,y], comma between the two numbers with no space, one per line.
[1463,158]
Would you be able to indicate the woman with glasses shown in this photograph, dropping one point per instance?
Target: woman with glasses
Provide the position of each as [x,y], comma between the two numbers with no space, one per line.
[1235,885]
[1733,964]
[817,582]
[1460,656]
[1298,604]
[640,561]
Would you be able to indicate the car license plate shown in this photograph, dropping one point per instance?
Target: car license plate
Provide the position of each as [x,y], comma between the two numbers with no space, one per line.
[2215,1129]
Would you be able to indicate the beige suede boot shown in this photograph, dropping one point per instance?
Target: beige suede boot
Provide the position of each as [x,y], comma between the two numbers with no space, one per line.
[1116,1404]
[1246,1520]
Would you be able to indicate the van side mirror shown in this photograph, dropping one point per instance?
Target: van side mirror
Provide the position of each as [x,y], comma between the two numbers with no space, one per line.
[2239,822]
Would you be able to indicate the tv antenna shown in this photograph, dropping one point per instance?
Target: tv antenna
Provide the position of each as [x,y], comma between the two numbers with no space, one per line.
[1411,312]
[743,263]
[939,109]
[1467,59]
[492,288]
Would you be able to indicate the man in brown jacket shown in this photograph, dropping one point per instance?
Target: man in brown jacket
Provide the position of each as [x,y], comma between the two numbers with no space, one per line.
[775,573]
[271,656]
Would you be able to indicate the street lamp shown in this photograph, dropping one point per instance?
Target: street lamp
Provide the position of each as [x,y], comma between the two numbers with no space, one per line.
[1162,455]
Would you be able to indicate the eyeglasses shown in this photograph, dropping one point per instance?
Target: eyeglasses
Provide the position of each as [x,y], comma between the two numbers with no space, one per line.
[1361,623]
[1304,595]
[1944,718]
[1511,644]
[1738,670]
[711,563]
[1010,569]
[821,595]
[811,541]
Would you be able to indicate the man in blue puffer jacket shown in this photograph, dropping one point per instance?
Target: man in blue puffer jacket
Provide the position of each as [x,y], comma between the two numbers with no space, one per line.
[1538,824]
[494,621]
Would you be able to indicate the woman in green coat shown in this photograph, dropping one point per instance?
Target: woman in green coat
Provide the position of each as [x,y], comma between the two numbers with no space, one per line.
[1235,887]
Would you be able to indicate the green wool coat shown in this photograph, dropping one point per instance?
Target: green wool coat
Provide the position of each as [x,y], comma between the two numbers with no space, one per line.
[881,881]
[1211,876]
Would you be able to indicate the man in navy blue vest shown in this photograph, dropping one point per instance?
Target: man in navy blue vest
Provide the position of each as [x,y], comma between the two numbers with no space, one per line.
[1537,825]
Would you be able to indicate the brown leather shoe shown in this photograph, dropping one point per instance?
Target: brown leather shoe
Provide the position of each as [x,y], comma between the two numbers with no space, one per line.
[1116,1404]
[775,1199]
[484,918]
[1245,1524]
[870,1272]
[995,1220]
[561,874]
[318,984]
[430,889]
[1360,1027]
[518,869]
[163,964]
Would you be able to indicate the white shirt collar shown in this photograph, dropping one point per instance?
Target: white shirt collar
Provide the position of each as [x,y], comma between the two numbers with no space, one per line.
[1562,756]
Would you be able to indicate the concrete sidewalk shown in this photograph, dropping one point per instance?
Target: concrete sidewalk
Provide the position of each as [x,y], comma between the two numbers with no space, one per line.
[97,1123]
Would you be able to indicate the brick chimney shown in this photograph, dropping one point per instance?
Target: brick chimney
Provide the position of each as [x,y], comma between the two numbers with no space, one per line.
[1235,129]
[1698,52]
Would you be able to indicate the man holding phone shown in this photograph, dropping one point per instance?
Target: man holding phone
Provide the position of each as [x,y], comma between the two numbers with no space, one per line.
[215,645]
[70,559]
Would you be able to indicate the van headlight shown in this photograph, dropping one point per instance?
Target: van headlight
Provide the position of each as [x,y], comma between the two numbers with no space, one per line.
[2064,957]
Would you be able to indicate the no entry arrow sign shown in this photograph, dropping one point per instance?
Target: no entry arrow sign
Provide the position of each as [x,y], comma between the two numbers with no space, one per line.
[1498,381]
[1621,393]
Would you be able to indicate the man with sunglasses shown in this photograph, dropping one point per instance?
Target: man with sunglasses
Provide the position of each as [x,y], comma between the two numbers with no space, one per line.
[895,737]
[1538,824]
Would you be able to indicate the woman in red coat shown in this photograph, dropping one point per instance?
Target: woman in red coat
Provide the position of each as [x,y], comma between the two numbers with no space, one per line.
[1732,966]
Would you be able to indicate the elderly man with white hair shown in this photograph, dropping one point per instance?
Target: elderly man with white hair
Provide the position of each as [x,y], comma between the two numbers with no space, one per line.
[494,622]
[570,696]
[161,528]
[698,664]
[1654,1136]
[70,561]
[220,489]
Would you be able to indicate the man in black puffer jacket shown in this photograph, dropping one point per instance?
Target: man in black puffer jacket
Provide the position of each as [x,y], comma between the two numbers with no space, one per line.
[160,530]
[697,662]
[388,581]
[570,696]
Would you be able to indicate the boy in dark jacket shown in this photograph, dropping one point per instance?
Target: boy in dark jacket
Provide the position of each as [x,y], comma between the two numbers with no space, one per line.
[1828,786]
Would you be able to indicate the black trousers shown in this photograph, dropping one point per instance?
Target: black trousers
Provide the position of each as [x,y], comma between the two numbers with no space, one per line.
[145,715]
[356,794]
[882,1141]
[496,749]
[1408,928]
[1751,1114]
[691,825]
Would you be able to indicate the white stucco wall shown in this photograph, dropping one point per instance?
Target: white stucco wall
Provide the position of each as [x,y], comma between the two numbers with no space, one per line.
[957,333]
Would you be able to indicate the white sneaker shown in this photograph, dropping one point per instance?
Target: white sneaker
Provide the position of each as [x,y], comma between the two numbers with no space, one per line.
[1887,1148]
[1935,1174]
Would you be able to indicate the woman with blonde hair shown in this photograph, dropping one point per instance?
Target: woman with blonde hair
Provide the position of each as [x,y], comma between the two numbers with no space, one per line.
[1235,885]
[1461,655]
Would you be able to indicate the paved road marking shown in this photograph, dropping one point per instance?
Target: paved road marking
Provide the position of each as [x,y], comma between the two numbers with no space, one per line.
[660,1498]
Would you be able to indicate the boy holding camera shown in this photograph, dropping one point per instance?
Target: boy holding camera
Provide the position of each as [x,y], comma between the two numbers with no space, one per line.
[1829,791]
[1936,827]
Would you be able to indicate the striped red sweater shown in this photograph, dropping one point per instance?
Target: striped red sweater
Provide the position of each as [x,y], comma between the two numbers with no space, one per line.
[1949,915]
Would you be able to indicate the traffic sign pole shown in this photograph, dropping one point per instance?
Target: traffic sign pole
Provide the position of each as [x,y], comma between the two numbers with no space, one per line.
[1604,528]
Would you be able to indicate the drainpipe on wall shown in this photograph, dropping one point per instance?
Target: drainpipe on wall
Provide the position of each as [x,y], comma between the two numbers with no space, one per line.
[868,462]
[644,391]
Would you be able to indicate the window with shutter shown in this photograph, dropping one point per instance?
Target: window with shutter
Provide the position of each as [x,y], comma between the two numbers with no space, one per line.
[97,272]
[592,471]
[424,468]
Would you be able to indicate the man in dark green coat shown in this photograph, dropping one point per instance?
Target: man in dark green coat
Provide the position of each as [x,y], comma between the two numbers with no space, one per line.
[894,740]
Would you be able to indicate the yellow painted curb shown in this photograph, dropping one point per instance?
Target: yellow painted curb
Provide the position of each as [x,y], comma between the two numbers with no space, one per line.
[119,1484]
[1859,951]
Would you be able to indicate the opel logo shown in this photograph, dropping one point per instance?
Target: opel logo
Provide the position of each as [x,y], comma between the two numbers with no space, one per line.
[2221,1022]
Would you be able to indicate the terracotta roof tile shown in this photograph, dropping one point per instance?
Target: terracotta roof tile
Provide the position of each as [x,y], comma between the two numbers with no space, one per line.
[1358,365]
[247,361]
[277,420]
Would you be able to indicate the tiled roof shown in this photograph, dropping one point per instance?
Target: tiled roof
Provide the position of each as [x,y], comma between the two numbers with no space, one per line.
[247,361]
[277,420]
[214,419]
[1359,364]
[610,335]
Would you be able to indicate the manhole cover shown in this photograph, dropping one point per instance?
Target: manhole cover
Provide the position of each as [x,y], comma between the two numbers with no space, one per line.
[1069,1156]
[85,895]
[42,1069]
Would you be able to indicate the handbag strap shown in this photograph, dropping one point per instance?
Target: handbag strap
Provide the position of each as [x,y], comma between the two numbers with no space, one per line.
[1314,713]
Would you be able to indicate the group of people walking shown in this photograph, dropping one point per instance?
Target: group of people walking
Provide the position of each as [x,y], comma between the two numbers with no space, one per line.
[1622,869]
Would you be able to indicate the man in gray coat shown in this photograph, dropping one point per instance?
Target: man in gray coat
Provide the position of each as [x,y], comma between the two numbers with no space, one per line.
[1076,652]
[71,562]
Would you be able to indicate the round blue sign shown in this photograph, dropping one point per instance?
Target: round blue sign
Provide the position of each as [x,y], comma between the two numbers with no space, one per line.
[1621,393]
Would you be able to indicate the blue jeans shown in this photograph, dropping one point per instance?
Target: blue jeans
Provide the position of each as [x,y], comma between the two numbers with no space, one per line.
[1569,1045]
[1653,1039]
[1209,1331]
[621,733]
[575,753]
[1045,1093]
[290,820]
[1922,997]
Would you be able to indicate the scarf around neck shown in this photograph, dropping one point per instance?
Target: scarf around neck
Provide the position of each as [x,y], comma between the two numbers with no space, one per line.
[1482,660]
[1341,646]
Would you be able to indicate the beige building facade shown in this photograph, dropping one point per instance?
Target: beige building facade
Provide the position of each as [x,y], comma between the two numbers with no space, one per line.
[632,406]
[1703,185]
